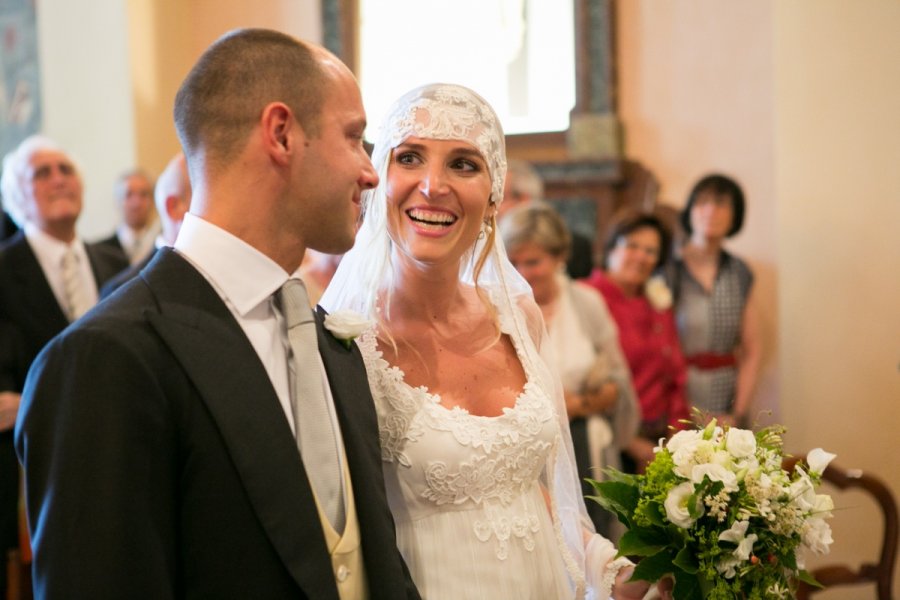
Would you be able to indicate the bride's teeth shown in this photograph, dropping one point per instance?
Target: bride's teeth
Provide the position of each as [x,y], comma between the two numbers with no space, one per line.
[433,218]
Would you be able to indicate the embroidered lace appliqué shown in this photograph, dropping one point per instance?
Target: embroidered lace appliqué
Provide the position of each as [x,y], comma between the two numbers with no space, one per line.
[503,527]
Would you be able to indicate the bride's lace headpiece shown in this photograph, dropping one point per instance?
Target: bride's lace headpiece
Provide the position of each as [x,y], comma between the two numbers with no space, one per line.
[446,112]
[437,111]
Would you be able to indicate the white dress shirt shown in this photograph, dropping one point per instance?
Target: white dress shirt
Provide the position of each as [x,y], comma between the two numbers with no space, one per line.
[246,280]
[49,252]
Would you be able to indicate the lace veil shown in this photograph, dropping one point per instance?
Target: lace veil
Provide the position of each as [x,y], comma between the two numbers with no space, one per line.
[445,112]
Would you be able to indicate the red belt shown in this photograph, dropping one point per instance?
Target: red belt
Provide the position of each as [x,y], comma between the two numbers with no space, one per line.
[706,361]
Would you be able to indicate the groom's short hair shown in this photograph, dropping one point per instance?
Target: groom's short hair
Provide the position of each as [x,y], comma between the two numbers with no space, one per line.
[223,96]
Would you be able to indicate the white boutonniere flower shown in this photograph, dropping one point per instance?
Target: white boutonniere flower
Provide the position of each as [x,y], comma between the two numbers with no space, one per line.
[346,325]
[658,293]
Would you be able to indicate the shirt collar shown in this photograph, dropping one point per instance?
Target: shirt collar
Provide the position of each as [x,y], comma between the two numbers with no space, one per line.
[243,274]
[50,250]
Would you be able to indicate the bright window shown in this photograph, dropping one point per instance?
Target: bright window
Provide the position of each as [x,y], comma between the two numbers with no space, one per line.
[518,54]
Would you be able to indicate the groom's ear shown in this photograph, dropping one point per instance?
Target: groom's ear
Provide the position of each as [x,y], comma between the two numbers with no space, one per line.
[282,134]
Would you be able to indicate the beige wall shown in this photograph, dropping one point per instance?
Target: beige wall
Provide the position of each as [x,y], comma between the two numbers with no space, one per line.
[799,100]
[838,183]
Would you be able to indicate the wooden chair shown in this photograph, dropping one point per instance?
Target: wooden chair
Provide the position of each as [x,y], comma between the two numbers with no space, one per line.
[880,573]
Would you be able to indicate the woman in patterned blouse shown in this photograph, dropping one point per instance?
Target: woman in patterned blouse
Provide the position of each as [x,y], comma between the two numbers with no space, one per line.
[714,307]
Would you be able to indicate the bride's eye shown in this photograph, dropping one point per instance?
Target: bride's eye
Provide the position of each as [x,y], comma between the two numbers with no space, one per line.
[465,165]
[407,158]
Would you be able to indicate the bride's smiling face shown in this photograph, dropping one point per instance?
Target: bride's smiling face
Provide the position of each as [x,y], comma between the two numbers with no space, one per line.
[437,198]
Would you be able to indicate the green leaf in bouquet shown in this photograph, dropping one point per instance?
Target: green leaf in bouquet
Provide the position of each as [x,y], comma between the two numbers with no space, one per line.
[642,542]
[616,475]
[806,577]
[617,497]
[687,586]
[686,560]
[789,560]
[656,514]
[654,567]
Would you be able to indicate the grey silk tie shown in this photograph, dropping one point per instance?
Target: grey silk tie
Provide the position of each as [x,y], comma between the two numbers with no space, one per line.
[315,434]
[73,286]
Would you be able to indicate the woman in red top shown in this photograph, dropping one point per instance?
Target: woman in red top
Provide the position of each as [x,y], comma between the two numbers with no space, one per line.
[636,246]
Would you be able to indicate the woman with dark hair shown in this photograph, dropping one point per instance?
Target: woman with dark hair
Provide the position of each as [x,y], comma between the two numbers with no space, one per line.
[636,246]
[714,307]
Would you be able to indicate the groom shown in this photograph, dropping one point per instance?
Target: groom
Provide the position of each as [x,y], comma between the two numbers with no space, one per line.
[157,434]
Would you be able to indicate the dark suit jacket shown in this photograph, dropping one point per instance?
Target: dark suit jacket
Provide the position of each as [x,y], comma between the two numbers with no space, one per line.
[8,227]
[29,317]
[113,244]
[125,276]
[159,462]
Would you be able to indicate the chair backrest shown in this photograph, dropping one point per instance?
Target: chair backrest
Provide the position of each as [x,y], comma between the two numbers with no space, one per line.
[880,573]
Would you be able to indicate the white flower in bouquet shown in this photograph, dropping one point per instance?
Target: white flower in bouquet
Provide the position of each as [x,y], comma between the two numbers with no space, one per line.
[816,535]
[740,443]
[818,460]
[677,509]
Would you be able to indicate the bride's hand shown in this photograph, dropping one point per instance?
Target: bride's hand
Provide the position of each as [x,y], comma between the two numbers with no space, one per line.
[629,590]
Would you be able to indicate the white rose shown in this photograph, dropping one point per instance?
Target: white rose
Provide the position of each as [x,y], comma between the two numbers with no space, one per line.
[346,325]
[682,438]
[818,460]
[690,453]
[715,473]
[816,535]
[658,293]
[740,443]
[677,505]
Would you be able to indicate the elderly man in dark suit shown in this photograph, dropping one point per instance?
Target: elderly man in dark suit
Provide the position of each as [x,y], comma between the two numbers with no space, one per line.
[48,278]
[158,434]
[134,236]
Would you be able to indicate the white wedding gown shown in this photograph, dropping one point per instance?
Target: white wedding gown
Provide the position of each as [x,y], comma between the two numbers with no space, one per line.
[467,492]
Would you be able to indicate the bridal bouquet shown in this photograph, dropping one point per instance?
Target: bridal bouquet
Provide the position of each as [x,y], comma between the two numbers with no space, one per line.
[717,512]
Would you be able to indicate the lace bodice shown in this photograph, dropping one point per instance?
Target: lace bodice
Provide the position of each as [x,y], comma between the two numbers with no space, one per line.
[468,460]
[451,474]
[469,494]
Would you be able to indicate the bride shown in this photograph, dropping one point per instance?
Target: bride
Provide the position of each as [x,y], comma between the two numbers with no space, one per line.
[476,451]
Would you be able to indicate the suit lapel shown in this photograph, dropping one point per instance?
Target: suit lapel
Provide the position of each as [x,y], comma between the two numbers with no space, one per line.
[352,398]
[35,289]
[208,342]
[359,429]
